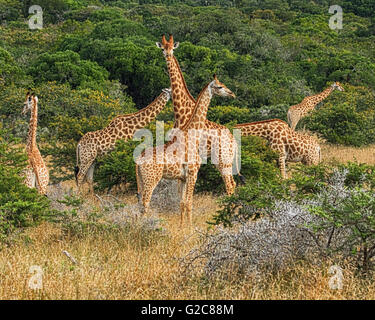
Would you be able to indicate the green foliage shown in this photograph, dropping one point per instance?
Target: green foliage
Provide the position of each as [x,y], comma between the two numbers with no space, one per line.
[252,201]
[137,65]
[20,207]
[9,70]
[348,212]
[79,221]
[235,115]
[67,67]
[340,197]
[118,167]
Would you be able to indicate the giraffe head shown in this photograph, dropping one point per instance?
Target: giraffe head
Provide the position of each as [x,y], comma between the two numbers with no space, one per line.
[338,86]
[30,101]
[220,89]
[168,91]
[167,46]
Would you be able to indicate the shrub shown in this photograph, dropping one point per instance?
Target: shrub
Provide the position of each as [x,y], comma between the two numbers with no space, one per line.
[348,215]
[272,242]
[67,67]
[230,114]
[117,167]
[9,71]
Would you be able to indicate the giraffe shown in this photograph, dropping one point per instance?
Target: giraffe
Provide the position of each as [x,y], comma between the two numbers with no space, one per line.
[100,142]
[183,106]
[36,172]
[299,111]
[181,155]
[292,145]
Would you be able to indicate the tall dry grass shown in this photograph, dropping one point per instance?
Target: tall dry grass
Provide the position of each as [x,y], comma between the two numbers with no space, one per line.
[344,154]
[131,265]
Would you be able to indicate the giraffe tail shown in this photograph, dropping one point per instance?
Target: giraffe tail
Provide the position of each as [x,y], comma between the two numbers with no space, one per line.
[139,182]
[76,168]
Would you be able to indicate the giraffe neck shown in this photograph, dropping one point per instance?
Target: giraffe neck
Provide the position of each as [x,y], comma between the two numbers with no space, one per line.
[198,118]
[33,124]
[324,94]
[124,126]
[183,101]
[149,113]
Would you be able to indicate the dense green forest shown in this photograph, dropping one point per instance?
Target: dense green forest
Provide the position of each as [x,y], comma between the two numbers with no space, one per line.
[95,59]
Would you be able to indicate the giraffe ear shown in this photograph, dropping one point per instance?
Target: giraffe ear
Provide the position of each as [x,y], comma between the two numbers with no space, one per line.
[175,45]
[159,45]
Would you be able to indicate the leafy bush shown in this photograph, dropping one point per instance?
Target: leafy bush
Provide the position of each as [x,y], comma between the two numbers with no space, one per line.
[20,206]
[235,115]
[9,71]
[67,67]
[348,214]
[118,167]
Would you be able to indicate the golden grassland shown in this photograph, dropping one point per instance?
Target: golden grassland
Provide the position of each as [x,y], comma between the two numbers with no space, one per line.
[128,265]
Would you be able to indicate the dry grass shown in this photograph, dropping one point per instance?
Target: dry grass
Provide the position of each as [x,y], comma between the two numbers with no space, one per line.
[345,154]
[124,266]
[121,266]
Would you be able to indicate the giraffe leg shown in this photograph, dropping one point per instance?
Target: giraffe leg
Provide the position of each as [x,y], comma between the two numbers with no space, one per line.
[282,160]
[82,174]
[90,178]
[146,197]
[30,178]
[226,174]
[182,185]
[190,184]
[295,120]
[43,179]
[149,184]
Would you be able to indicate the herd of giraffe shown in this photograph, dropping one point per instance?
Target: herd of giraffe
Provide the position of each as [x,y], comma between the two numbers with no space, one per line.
[182,156]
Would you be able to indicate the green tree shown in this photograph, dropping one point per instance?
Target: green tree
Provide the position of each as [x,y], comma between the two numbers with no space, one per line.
[67,67]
